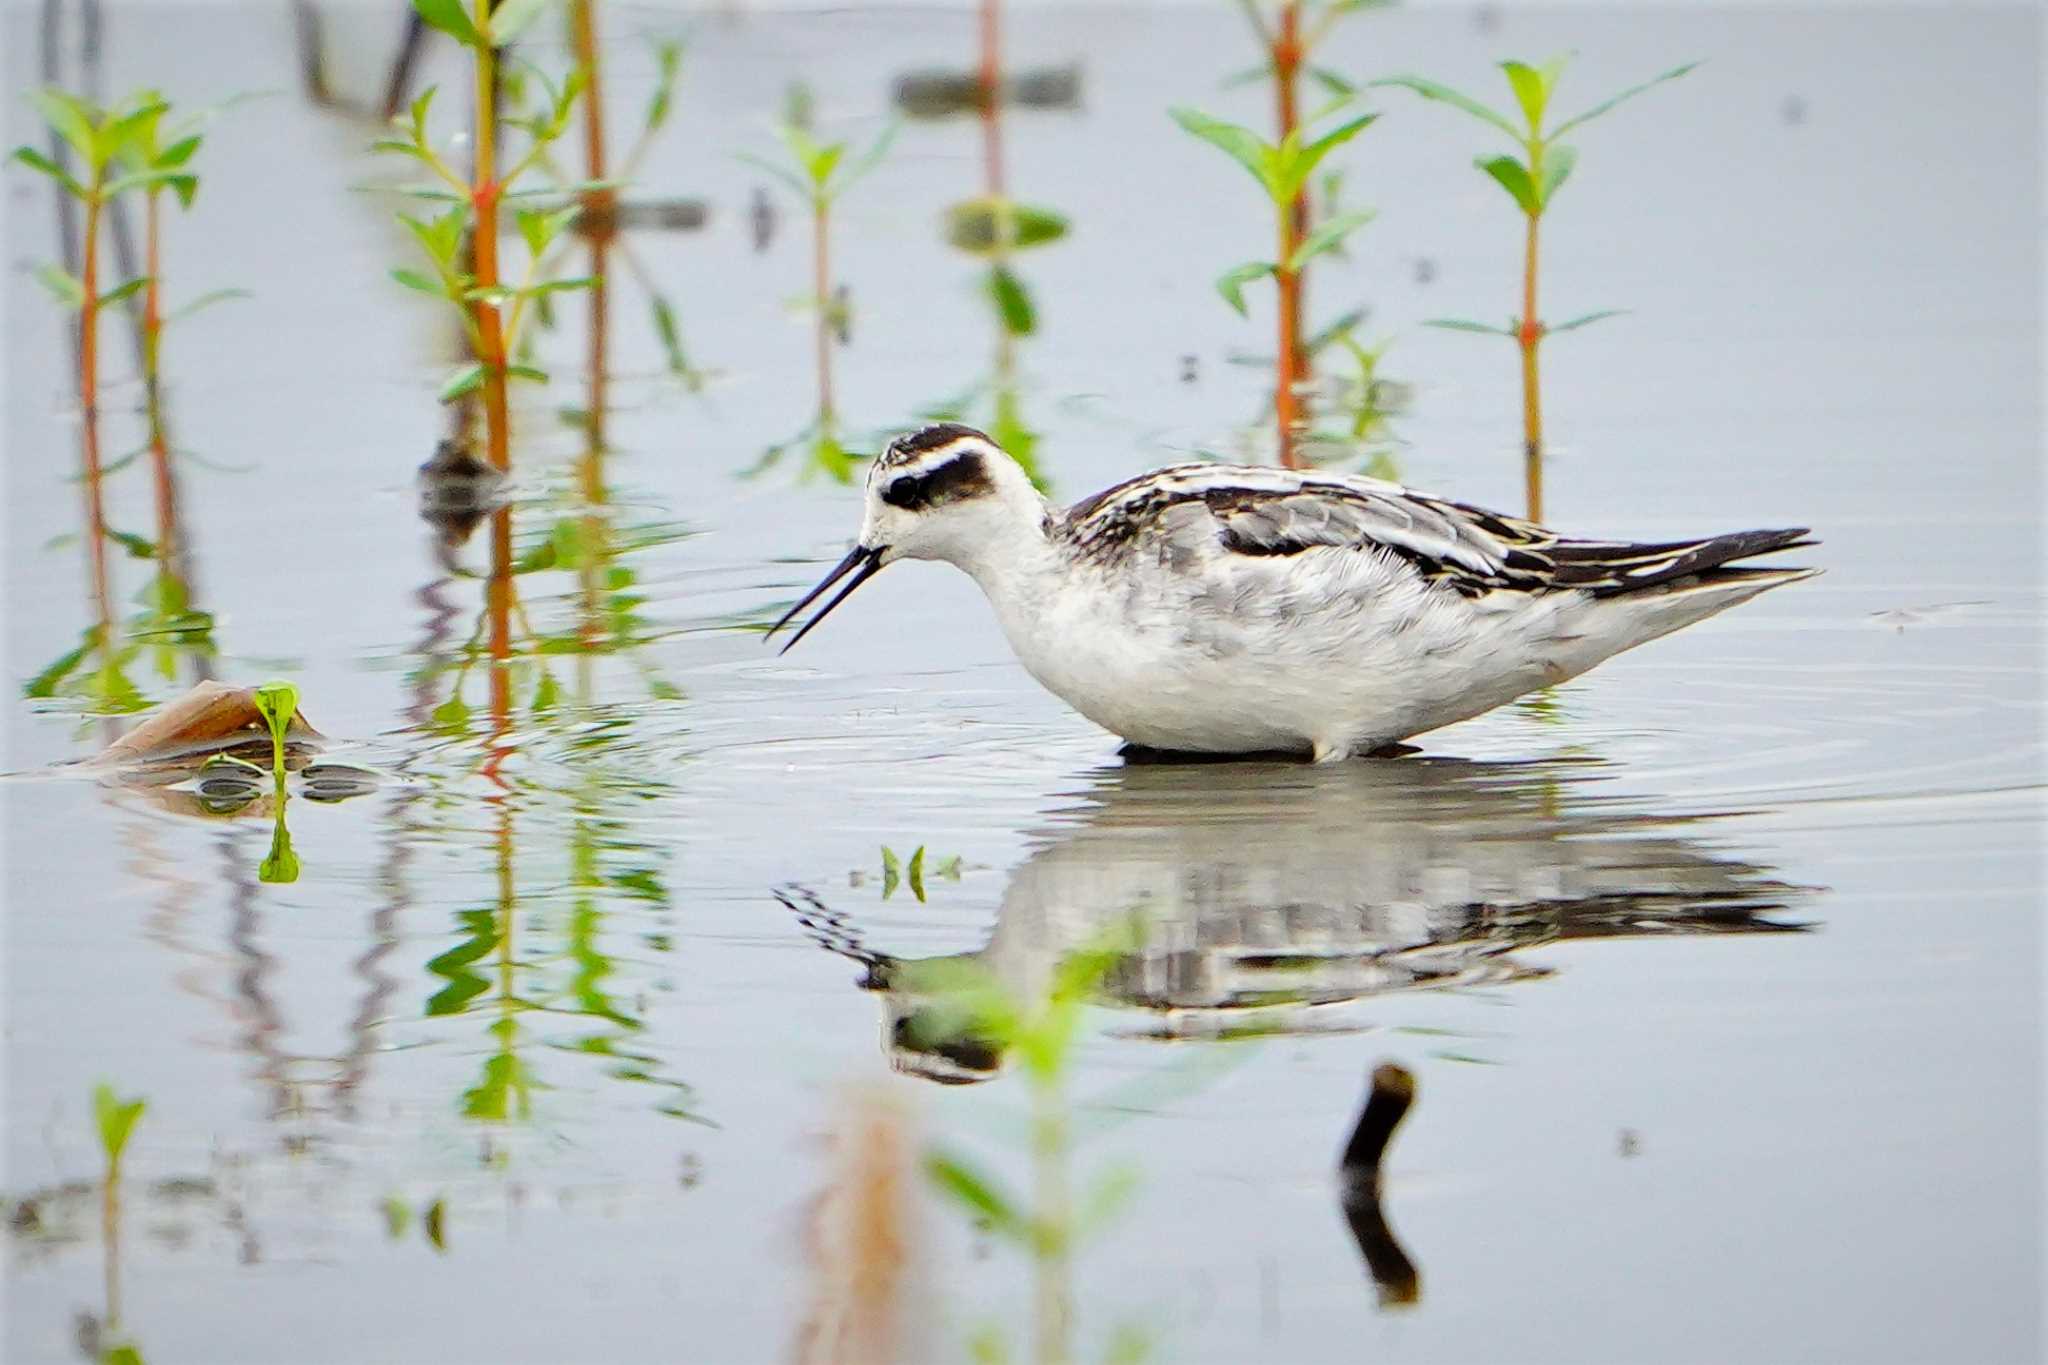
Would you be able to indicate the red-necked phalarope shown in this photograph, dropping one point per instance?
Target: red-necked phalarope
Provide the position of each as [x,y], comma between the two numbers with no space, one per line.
[1219,609]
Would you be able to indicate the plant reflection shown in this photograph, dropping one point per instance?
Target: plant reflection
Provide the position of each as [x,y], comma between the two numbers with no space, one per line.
[1269,892]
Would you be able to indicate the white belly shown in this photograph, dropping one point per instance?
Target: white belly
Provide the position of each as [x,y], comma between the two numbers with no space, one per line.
[1282,657]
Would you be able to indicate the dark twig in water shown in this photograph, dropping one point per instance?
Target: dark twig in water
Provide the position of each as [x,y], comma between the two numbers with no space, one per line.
[1392,1094]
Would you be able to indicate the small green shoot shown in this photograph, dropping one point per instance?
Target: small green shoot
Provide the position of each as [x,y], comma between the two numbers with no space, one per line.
[277,702]
[1532,181]
[116,1119]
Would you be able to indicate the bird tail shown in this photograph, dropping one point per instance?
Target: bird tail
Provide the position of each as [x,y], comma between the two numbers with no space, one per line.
[1608,568]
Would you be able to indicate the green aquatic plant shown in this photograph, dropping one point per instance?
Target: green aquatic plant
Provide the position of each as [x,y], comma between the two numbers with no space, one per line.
[898,871]
[114,1118]
[819,173]
[461,243]
[105,140]
[278,702]
[1283,171]
[966,999]
[1532,180]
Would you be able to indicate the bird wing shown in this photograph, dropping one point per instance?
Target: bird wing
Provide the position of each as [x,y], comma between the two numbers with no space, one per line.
[1261,512]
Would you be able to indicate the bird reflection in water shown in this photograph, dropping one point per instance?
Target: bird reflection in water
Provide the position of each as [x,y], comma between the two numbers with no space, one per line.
[1267,894]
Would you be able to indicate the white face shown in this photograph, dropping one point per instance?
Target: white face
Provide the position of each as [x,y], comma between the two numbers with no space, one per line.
[946,492]
[924,503]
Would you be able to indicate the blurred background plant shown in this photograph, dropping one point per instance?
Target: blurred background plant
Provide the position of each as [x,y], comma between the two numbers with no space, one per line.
[1532,181]
[819,173]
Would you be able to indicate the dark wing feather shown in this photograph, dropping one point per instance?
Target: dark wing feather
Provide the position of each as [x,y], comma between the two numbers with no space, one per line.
[1265,512]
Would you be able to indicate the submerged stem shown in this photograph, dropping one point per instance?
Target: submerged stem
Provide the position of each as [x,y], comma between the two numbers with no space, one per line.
[89,406]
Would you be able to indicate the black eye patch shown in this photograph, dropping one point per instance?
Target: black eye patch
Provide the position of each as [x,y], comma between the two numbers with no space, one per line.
[963,476]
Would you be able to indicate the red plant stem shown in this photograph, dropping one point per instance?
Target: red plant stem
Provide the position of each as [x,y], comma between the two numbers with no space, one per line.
[990,79]
[484,246]
[1529,336]
[89,406]
[599,220]
[1290,354]
[498,611]
[167,552]
[821,281]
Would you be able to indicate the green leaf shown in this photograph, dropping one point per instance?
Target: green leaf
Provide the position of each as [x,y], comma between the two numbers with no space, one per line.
[1605,105]
[463,381]
[511,16]
[45,683]
[1514,178]
[1242,145]
[869,159]
[527,372]
[671,336]
[451,18]
[781,173]
[1531,91]
[183,182]
[1584,321]
[1297,165]
[669,57]
[206,300]
[955,1177]
[60,282]
[1111,1195]
[412,279]
[1012,301]
[1466,325]
[1327,236]
[539,228]
[1557,164]
[73,120]
[116,1119]
[1231,282]
[1432,90]
[121,291]
[557,286]
[280,867]
[36,161]
[451,716]
[177,154]
[892,872]
[915,874]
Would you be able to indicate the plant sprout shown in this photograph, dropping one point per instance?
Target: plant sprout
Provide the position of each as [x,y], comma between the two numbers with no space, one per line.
[1532,180]
[1282,171]
[277,702]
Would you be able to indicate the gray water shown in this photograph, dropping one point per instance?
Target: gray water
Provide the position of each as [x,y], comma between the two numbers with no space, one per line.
[1718,969]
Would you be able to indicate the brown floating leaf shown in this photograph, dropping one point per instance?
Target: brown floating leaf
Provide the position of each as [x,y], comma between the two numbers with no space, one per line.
[211,718]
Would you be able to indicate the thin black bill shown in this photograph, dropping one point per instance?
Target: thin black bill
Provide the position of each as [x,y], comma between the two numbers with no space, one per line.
[867,562]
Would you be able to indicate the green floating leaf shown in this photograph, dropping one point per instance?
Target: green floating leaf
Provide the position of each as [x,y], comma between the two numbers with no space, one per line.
[955,1177]
[1231,282]
[892,872]
[1328,236]
[915,874]
[1605,105]
[1012,301]
[116,1118]
[397,1216]
[1435,90]
[1514,178]
[451,18]
[1584,321]
[465,380]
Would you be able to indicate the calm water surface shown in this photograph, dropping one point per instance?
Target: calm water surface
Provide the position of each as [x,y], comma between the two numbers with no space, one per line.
[1718,970]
